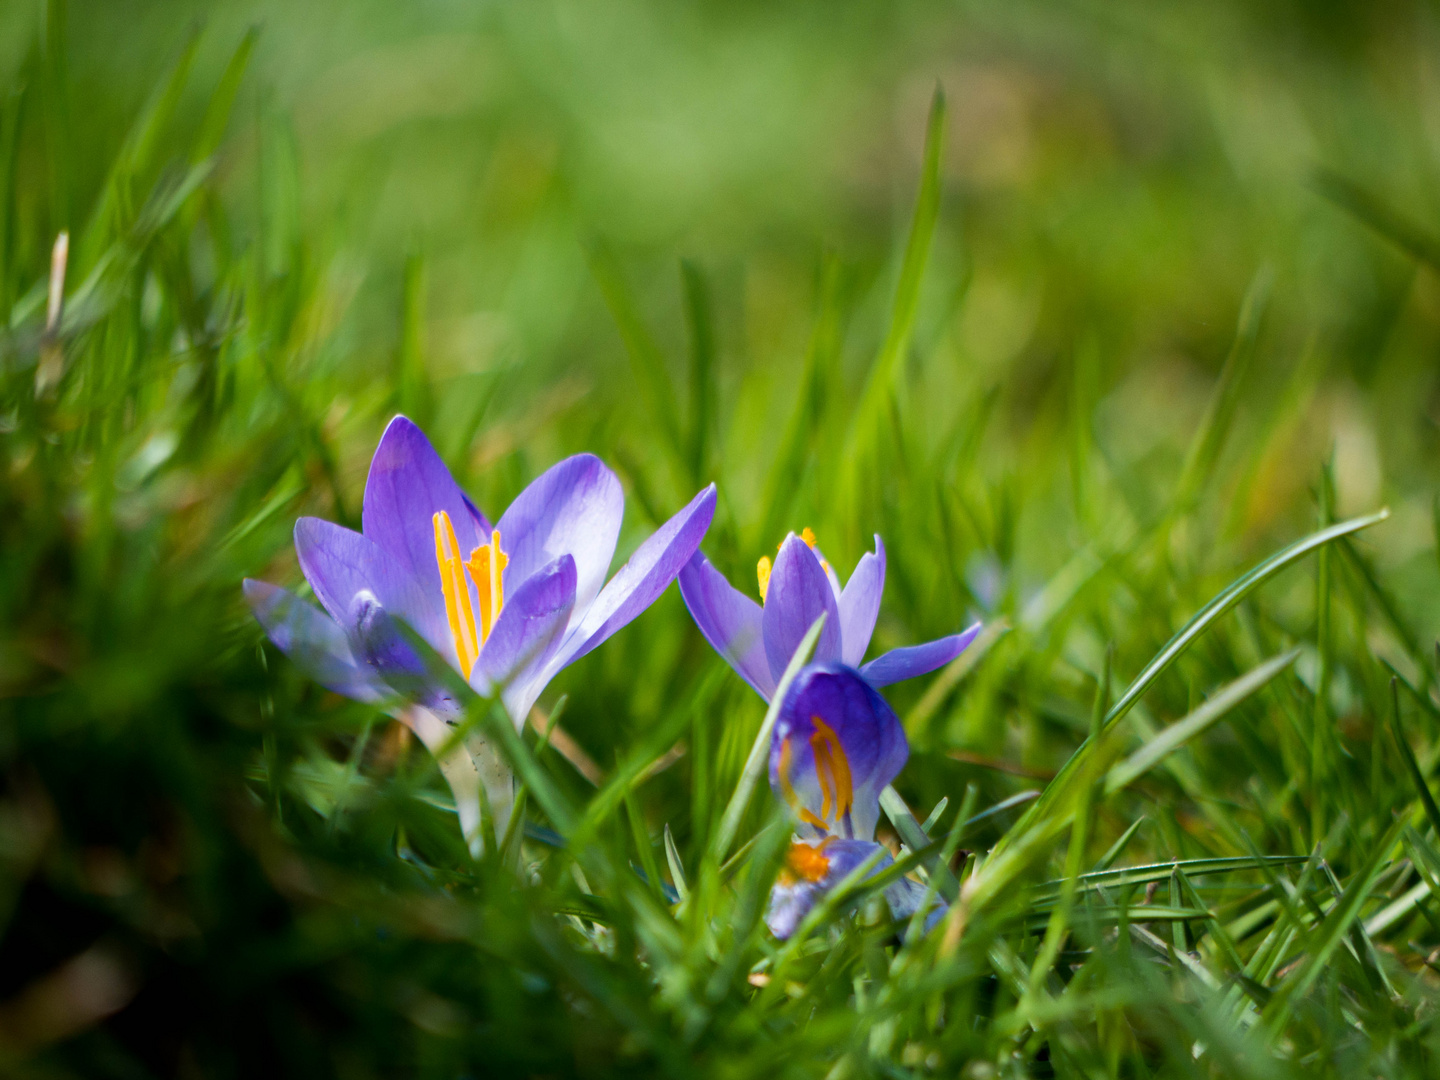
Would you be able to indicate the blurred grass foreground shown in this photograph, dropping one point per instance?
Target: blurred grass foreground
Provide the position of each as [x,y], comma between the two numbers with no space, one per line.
[1118,322]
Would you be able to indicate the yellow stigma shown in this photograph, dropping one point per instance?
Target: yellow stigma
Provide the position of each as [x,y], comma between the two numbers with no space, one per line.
[486,563]
[457,594]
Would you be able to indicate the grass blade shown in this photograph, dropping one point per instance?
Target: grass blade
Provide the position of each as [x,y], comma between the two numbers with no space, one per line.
[760,750]
[222,99]
[701,321]
[1413,239]
[646,359]
[870,412]
[677,867]
[1210,437]
[1412,767]
[1331,933]
[1227,599]
[1181,732]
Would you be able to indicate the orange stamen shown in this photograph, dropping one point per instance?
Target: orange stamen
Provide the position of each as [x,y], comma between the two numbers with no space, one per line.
[832,769]
[762,571]
[808,861]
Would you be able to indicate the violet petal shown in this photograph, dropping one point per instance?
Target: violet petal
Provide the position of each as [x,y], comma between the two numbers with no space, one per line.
[380,645]
[792,899]
[341,565]
[860,604]
[312,640]
[530,628]
[905,897]
[870,736]
[913,660]
[408,484]
[573,508]
[799,592]
[641,580]
[730,621]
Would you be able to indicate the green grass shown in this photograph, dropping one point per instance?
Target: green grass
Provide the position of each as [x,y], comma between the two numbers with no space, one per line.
[1123,350]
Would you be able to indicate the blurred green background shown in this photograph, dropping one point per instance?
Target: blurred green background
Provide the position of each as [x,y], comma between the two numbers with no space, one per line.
[673,234]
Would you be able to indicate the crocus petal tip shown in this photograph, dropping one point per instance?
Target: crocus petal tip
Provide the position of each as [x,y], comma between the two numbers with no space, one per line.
[399,422]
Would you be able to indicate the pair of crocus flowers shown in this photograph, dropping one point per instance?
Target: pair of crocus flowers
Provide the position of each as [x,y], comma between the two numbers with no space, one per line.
[509,606]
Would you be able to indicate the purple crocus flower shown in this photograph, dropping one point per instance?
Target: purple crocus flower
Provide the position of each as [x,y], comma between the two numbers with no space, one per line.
[507,606]
[836,746]
[759,641]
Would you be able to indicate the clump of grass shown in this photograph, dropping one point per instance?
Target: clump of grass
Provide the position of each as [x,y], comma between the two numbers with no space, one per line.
[1177,795]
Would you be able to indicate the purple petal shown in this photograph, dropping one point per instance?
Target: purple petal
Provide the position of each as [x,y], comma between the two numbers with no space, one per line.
[572,508]
[905,897]
[640,581]
[730,621]
[377,641]
[830,575]
[906,663]
[407,486]
[871,739]
[799,592]
[531,625]
[792,897]
[860,604]
[345,569]
[314,642]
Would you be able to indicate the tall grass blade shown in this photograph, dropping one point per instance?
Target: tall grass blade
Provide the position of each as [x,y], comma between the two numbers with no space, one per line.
[1210,437]
[1226,599]
[1413,239]
[700,318]
[1208,714]
[222,99]
[759,756]
[646,360]
[1407,755]
[870,412]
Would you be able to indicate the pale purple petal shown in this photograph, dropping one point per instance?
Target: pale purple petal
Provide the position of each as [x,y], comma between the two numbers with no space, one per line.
[871,738]
[407,486]
[905,897]
[860,604]
[792,898]
[830,574]
[730,621]
[573,508]
[799,593]
[314,642]
[641,580]
[906,663]
[382,647]
[342,565]
[531,625]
